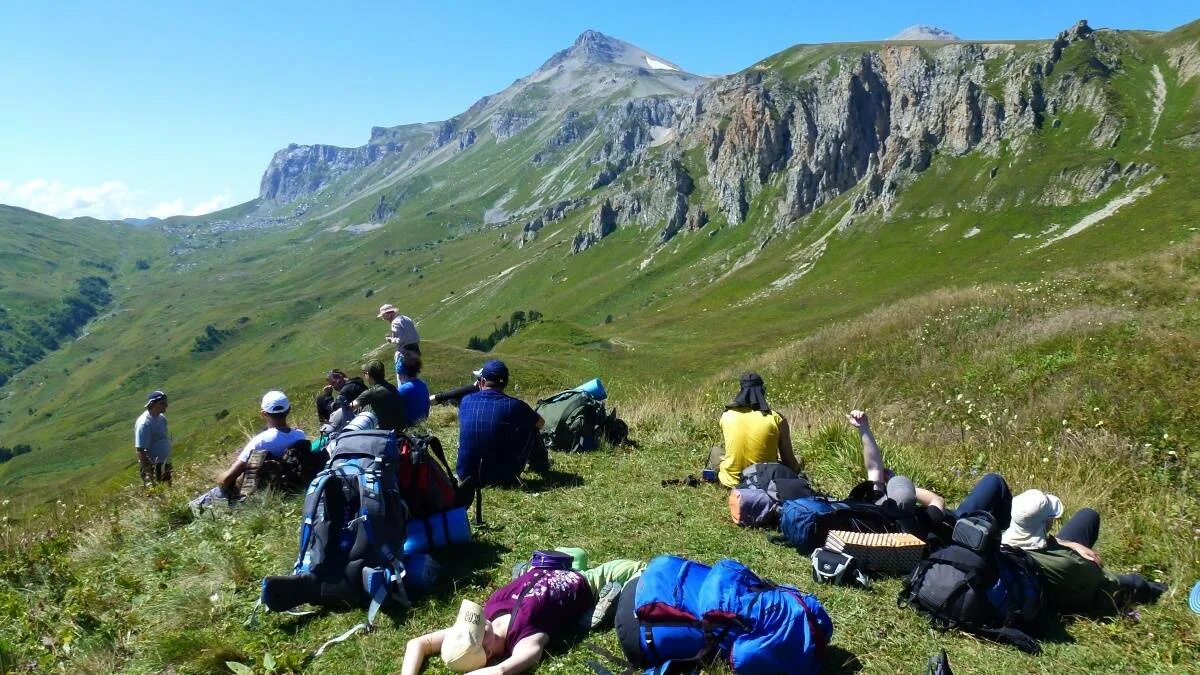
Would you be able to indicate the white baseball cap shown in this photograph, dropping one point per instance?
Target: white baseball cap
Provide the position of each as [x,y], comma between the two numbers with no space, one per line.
[275,403]
[1032,510]
[462,647]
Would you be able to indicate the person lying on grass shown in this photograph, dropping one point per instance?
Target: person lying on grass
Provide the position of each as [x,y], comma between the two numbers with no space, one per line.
[512,629]
[888,485]
[753,433]
[1073,577]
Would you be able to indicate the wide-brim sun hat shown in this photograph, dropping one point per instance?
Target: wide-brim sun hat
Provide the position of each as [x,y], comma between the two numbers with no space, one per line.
[1032,510]
[384,309]
[462,646]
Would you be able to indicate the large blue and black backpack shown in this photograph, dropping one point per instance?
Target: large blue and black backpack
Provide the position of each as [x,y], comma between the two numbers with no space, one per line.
[979,586]
[681,614]
[804,523]
[352,535]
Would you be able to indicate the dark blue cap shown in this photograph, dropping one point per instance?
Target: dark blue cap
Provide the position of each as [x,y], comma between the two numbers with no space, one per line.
[155,395]
[494,371]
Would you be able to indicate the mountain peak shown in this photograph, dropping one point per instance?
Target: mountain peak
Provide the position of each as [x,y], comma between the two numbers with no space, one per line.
[923,32]
[593,45]
[593,48]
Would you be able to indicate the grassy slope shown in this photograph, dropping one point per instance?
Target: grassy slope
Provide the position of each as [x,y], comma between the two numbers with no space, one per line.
[677,320]
[42,259]
[1046,371]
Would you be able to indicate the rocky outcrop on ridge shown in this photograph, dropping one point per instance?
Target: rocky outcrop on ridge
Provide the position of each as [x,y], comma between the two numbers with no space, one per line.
[551,214]
[299,170]
[868,121]
[603,223]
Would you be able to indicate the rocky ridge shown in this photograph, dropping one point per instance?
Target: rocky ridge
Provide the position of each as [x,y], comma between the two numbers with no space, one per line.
[571,92]
[869,122]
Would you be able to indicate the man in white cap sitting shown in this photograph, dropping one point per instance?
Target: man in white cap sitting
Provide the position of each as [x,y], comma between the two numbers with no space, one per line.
[402,333]
[1073,578]
[273,441]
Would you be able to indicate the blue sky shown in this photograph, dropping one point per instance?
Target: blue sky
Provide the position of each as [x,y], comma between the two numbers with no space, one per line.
[118,109]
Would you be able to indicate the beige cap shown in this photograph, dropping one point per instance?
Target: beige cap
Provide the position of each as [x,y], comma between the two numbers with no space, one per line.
[385,308]
[462,647]
[1032,510]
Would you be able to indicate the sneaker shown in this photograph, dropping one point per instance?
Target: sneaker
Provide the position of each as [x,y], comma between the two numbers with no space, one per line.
[606,606]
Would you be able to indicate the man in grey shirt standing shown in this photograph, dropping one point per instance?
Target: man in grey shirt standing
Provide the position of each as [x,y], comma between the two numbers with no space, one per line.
[151,441]
[402,332]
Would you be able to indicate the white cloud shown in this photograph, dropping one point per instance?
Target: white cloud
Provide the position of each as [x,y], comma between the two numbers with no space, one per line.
[108,200]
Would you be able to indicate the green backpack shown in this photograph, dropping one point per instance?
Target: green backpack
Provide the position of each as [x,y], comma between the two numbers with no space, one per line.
[574,421]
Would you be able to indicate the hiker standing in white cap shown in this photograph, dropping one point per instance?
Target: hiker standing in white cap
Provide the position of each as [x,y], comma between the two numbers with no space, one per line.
[402,333]
[151,441]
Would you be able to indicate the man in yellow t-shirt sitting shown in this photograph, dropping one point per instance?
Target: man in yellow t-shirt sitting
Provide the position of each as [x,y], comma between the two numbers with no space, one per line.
[753,433]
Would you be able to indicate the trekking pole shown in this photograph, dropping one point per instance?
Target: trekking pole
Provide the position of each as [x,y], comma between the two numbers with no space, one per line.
[479,495]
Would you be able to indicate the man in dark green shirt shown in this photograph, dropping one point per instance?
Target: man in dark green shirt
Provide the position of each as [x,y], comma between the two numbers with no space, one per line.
[1073,578]
[381,398]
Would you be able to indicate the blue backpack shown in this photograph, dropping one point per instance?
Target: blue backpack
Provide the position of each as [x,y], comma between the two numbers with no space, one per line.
[352,535]
[804,523]
[679,614]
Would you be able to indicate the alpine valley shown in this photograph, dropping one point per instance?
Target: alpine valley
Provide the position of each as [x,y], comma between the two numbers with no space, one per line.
[991,245]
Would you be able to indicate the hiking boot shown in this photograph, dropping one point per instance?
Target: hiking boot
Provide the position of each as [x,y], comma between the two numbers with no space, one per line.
[606,607]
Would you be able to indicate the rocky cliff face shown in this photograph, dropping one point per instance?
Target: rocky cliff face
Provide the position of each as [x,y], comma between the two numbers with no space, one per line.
[575,90]
[867,122]
[299,170]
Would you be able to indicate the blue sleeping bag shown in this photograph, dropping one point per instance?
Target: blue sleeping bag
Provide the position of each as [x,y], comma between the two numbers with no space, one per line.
[680,610]
[786,630]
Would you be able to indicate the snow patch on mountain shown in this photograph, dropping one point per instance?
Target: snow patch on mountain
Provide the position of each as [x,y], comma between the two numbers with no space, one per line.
[659,65]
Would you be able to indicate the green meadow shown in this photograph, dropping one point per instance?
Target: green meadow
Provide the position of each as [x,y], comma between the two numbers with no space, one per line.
[976,343]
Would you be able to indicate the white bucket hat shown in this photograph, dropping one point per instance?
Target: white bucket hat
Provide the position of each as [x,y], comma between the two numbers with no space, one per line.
[1032,511]
[462,647]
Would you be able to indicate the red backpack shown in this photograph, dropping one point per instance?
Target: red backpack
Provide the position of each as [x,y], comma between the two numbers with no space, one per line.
[428,486]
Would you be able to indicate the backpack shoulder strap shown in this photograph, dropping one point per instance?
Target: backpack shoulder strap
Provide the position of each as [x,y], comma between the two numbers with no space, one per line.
[435,446]
[1012,636]
[372,510]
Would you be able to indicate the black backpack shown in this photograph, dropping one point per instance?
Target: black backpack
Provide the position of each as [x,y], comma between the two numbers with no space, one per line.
[352,535]
[779,481]
[805,523]
[977,585]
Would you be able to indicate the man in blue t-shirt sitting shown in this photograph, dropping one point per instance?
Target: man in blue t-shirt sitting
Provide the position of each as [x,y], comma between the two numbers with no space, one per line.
[495,430]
